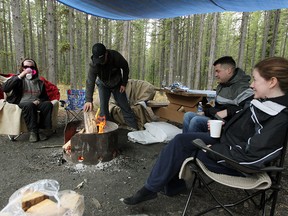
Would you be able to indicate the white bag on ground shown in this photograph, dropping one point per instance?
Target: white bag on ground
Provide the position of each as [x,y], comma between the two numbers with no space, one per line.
[59,203]
[154,132]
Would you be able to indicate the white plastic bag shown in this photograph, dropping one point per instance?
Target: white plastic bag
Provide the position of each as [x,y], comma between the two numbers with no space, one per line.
[48,187]
[155,132]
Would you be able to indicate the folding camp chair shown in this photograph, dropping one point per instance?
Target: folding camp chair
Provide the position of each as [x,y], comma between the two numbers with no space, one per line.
[74,104]
[265,182]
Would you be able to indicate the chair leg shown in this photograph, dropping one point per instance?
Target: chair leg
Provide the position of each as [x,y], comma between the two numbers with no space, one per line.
[210,192]
[274,202]
[14,137]
[190,195]
[73,115]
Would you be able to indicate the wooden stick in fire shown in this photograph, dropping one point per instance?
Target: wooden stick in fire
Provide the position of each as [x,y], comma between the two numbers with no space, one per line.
[89,122]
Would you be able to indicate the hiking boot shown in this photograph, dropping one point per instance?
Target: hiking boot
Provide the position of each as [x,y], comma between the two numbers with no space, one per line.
[33,137]
[42,136]
[142,195]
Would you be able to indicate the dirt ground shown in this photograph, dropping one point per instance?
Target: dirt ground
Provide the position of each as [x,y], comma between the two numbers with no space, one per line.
[23,163]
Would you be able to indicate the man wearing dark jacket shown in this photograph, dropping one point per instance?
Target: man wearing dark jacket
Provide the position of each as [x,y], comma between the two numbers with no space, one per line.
[231,94]
[112,71]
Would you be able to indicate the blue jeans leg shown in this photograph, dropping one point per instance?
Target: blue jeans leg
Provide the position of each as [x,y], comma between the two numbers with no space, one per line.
[128,114]
[193,122]
[104,96]
[186,120]
[171,158]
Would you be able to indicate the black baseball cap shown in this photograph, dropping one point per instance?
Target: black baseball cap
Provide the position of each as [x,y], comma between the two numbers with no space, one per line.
[98,51]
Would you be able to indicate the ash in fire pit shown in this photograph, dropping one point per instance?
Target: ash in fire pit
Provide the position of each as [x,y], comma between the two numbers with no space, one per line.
[90,148]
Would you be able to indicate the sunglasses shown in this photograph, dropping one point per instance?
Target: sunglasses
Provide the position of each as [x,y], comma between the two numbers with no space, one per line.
[32,67]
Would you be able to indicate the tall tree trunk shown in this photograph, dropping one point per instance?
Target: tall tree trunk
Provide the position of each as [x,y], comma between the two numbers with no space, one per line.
[73,80]
[275,33]
[5,39]
[2,41]
[212,51]
[191,71]
[143,48]
[177,51]
[163,78]
[44,59]
[199,56]
[51,76]
[254,49]
[12,59]
[106,32]
[284,40]
[243,31]
[267,18]
[79,59]
[172,53]
[87,47]
[95,28]
[32,44]
[18,31]
[184,62]
[125,47]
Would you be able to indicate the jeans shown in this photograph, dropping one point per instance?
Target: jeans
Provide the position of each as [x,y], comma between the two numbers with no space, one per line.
[173,155]
[120,98]
[192,122]
[30,114]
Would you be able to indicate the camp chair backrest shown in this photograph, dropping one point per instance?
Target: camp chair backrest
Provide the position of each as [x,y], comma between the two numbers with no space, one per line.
[75,99]
[139,90]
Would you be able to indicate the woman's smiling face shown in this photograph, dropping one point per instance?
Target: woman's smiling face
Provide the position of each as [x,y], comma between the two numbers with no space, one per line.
[260,86]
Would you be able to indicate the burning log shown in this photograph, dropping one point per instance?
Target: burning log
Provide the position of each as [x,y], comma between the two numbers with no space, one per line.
[90,122]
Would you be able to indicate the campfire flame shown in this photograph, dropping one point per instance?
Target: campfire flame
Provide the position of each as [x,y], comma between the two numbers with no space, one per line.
[101,123]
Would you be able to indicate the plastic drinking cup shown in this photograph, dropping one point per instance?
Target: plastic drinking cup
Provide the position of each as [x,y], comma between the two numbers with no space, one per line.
[215,128]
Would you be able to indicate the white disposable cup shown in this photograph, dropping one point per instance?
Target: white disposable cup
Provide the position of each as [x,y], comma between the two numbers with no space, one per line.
[215,128]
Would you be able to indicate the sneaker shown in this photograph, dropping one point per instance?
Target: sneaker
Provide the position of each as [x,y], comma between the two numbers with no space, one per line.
[142,195]
[42,136]
[33,137]
[131,129]
[127,128]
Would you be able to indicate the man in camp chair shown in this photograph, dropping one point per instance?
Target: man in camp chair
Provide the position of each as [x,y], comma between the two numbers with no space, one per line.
[254,136]
[28,91]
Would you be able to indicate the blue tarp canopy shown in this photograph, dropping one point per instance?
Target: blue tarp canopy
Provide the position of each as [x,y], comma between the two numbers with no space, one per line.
[156,9]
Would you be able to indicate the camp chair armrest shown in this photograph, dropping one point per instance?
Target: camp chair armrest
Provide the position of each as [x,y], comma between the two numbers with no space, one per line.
[62,103]
[272,169]
[234,164]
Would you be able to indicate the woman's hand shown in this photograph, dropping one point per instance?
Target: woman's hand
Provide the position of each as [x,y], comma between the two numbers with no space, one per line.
[208,124]
[24,72]
[36,102]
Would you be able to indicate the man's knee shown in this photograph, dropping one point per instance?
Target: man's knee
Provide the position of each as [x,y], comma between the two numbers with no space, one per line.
[188,116]
[27,106]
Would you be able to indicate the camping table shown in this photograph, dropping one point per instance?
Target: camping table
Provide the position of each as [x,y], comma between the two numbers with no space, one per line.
[181,102]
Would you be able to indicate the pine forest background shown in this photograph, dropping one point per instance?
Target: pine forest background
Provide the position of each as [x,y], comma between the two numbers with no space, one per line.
[160,51]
